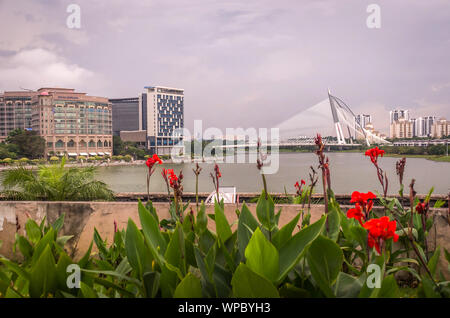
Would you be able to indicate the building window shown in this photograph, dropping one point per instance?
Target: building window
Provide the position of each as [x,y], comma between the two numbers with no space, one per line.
[71,143]
[59,144]
[99,144]
[91,143]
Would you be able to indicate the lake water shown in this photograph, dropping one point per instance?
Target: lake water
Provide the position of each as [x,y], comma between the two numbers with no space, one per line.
[349,172]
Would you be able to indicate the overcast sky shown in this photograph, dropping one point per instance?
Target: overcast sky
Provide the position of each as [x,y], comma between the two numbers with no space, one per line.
[252,63]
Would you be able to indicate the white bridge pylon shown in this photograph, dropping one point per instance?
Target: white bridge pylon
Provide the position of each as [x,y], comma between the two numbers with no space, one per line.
[343,115]
[327,117]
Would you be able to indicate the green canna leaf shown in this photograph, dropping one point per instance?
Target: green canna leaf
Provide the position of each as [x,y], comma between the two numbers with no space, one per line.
[262,257]
[325,260]
[248,284]
[189,287]
[285,233]
[43,280]
[295,248]
[223,228]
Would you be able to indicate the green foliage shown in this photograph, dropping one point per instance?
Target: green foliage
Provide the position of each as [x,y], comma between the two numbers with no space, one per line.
[28,143]
[253,259]
[54,183]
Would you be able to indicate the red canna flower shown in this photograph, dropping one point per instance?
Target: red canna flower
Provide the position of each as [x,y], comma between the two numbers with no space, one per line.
[374,153]
[422,208]
[356,214]
[152,160]
[380,230]
[217,171]
[363,199]
[299,186]
[172,177]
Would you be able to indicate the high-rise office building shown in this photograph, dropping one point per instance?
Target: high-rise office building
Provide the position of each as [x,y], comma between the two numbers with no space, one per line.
[125,114]
[15,111]
[158,111]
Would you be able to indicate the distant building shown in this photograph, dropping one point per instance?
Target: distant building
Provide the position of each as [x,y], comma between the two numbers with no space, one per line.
[15,111]
[441,128]
[125,114]
[424,126]
[401,128]
[395,115]
[72,123]
[163,112]
[361,121]
[136,136]
[158,111]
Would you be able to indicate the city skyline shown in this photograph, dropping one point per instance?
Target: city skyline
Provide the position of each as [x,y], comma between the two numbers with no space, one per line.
[237,61]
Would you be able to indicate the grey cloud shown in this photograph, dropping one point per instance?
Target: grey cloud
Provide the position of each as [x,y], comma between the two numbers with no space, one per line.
[257,63]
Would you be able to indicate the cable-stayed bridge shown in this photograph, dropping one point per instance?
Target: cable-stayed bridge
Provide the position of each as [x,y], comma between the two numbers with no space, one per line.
[330,117]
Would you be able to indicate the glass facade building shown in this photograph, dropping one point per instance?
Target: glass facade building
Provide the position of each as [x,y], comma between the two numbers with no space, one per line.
[15,111]
[125,114]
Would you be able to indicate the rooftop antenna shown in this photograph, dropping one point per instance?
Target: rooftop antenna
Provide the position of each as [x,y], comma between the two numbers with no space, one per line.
[27,89]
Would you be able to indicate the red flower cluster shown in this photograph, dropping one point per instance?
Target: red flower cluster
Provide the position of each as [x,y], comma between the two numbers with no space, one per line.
[356,214]
[172,177]
[364,200]
[374,153]
[299,186]
[422,208]
[152,160]
[380,230]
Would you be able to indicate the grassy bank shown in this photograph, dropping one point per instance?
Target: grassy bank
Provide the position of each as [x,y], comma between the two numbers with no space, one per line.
[438,158]
[428,157]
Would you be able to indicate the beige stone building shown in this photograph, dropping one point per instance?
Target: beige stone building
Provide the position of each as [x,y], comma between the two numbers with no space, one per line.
[72,123]
[440,128]
[401,128]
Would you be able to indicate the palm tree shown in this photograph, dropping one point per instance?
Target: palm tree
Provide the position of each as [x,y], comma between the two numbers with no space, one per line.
[54,183]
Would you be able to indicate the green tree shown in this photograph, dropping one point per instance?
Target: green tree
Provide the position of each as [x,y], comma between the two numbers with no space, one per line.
[55,183]
[29,144]
[117,145]
[7,151]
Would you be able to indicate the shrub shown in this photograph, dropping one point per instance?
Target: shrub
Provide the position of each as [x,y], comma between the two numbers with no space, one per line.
[23,161]
[54,159]
[127,158]
[8,161]
[54,183]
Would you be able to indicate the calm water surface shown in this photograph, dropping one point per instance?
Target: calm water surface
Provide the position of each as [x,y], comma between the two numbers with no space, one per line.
[349,172]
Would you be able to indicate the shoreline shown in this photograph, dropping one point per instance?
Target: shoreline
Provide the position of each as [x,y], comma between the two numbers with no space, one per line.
[435,158]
